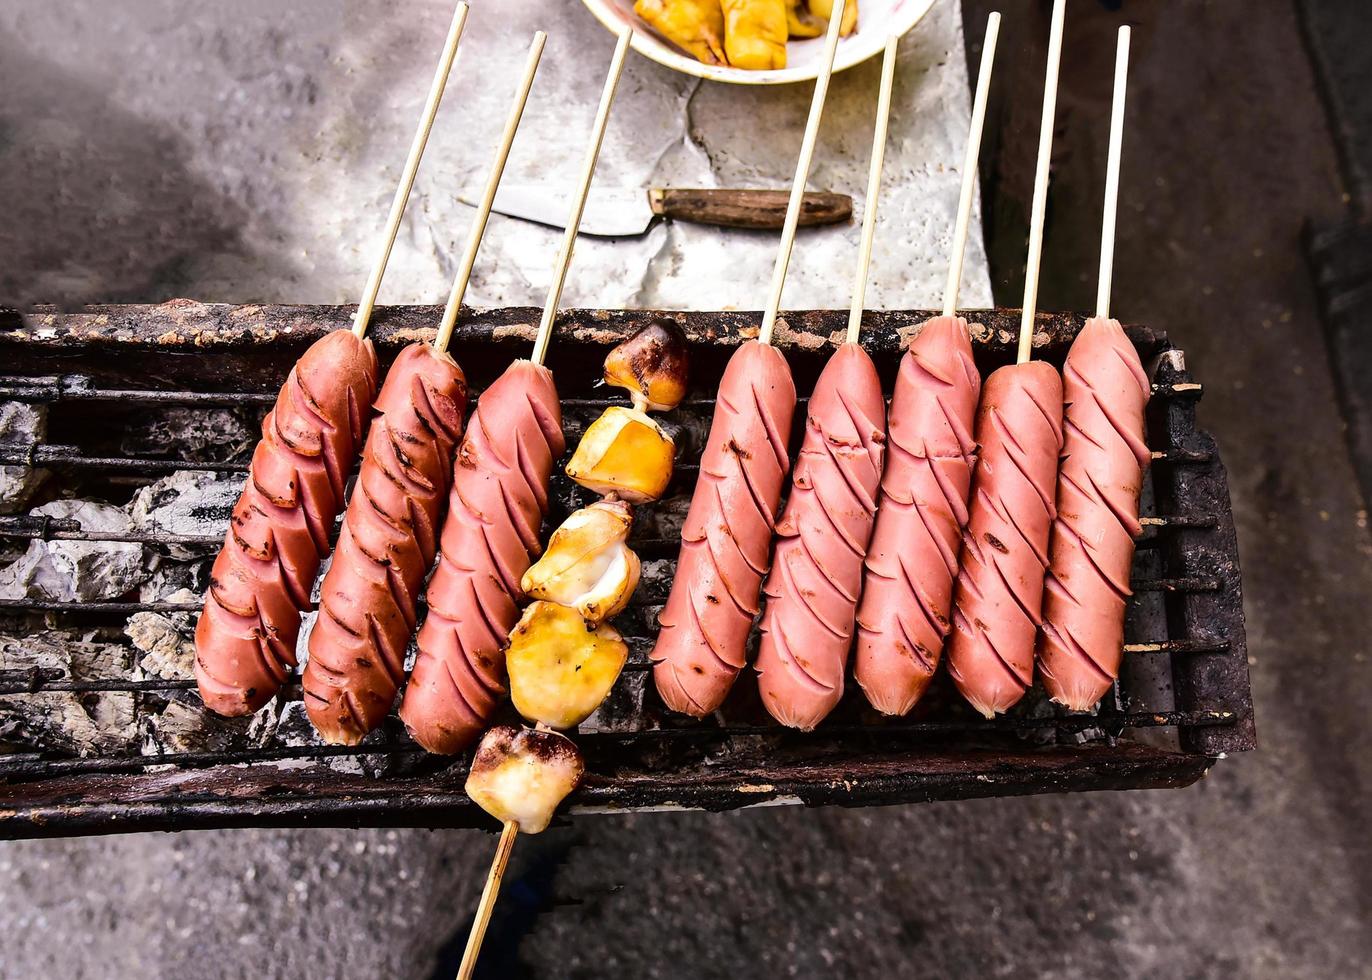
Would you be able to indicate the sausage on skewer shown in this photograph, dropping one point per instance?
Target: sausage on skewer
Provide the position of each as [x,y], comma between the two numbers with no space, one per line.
[1005,550]
[813,587]
[369,594]
[726,540]
[912,562]
[279,531]
[496,509]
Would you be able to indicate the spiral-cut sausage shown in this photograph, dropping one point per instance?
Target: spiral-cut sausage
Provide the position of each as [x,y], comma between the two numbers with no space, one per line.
[812,590]
[279,531]
[912,562]
[1104,457]
[390,531]
[1005,550]
[727,536]
[496,509]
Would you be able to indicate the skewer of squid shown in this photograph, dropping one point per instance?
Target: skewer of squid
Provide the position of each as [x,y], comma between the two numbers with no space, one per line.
[912,562]
[260,584]
[369,596]
[816,576]
[496,509]
[997,604]
[1104,458]
[726,540]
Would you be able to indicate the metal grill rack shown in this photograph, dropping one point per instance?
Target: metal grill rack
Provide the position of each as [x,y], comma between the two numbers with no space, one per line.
[1183,699]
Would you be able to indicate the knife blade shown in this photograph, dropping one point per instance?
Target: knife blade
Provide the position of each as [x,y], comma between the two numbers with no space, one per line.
[627,212]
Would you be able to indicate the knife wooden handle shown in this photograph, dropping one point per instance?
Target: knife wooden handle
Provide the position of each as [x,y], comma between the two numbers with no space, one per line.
[747,209]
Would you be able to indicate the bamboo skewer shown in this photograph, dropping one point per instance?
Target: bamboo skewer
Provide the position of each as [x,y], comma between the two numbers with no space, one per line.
[1040,203]
[407,175]
[969,166]
[483,211]
[807,152]
[1112,176]
[869,215]
[564,256]
[488,897]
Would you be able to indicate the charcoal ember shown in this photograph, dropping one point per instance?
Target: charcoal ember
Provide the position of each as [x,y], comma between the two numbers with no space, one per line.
[86,571]
[662,521]
[204,435]
[185,725]
[83,723]
[187,503]
[21,424]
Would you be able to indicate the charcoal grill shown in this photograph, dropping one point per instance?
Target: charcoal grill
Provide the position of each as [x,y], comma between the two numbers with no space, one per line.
[1182,702]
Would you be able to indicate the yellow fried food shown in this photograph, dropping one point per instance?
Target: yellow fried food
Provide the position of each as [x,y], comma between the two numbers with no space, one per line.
[625,453]
[825,10]
[696,26]
[800,21]
[755,33]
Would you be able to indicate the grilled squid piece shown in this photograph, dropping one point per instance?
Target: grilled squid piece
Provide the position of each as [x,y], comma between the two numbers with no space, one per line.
[1005,551]
[279,531]
[1104,458]
[368,597]
[726,540]
[523,775]
[491,534]
[907,593]
[822,537]
[588,565]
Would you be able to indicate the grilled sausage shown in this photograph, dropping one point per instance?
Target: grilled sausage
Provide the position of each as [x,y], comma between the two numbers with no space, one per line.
[907,592]
[279,531]
[390,531]
[812,590]
[496,509]
[1104,457]
[1005,550]
[727,536]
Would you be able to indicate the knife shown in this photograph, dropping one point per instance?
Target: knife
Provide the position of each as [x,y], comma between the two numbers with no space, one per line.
[626,212]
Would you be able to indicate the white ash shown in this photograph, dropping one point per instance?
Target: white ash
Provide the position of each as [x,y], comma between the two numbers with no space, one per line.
[169,577]
[187,503]
[209,435]
[185,726]
[168,647]
[622,709]
[87,571]
[22,424]
[80,723]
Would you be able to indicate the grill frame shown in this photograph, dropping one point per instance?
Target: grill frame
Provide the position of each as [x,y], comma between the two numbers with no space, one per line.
[216,351]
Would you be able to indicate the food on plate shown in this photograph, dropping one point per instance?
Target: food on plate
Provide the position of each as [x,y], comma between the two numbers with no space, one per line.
[368,599]
[1104,457]
[999,592]
[912,561]
[695,26]
[816,577]
[279,530]
[727,537]
[755,33]
[495,511]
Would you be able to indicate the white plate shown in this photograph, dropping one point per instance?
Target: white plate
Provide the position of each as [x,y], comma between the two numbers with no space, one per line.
[877,20]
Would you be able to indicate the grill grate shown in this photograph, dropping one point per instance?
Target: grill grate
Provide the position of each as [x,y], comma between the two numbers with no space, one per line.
[1182,700]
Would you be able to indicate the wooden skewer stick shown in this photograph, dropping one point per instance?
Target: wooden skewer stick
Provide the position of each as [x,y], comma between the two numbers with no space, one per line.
[1050,104]
[869,213]
[402,192]
[564,256]
[807,151]
[1112,176]
[969,166]
[488,897]
[483,211]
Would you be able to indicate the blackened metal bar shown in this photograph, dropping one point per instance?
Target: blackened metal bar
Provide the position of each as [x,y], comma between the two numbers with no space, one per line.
[43,454]
[133,763]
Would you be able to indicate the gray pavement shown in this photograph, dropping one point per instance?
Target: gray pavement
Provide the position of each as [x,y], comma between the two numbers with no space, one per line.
[1262,870]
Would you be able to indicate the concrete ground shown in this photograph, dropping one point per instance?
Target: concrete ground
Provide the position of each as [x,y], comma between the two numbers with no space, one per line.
[1262,870]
